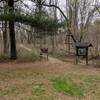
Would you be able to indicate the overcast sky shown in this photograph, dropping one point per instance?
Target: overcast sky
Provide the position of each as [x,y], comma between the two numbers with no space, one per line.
[62,5]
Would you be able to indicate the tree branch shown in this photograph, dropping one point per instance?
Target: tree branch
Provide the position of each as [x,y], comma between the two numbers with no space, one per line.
[67,20]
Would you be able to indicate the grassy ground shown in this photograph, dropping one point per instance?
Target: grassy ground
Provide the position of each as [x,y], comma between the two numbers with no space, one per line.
[48,80]
[52,80]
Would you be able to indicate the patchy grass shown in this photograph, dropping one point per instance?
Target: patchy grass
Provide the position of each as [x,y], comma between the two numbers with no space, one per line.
[23,84]
[39,84]
[38,89]
[68,88]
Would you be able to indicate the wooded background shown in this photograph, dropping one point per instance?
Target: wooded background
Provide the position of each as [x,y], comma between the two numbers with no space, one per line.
[47,23]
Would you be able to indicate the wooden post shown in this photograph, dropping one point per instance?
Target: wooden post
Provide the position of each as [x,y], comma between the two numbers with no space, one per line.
[47,55]
[41,56]
[76,55]
[69,44]
[87,56]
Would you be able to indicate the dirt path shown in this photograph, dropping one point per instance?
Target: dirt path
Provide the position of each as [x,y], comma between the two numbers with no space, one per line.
[53,65]
[54,60]
[26,48]
[51,59]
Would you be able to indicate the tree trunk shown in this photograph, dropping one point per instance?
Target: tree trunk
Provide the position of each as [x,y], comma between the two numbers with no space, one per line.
[13,54]
[5,38]
[12,40]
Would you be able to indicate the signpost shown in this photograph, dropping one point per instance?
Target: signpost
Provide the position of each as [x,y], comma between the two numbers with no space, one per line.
[82,50]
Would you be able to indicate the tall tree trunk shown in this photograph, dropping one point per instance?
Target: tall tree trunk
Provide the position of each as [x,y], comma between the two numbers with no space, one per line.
[12,40]
[4,30]
[5,38]
[13,54]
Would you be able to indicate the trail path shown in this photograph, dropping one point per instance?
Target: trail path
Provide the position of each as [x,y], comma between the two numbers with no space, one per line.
[51,59]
